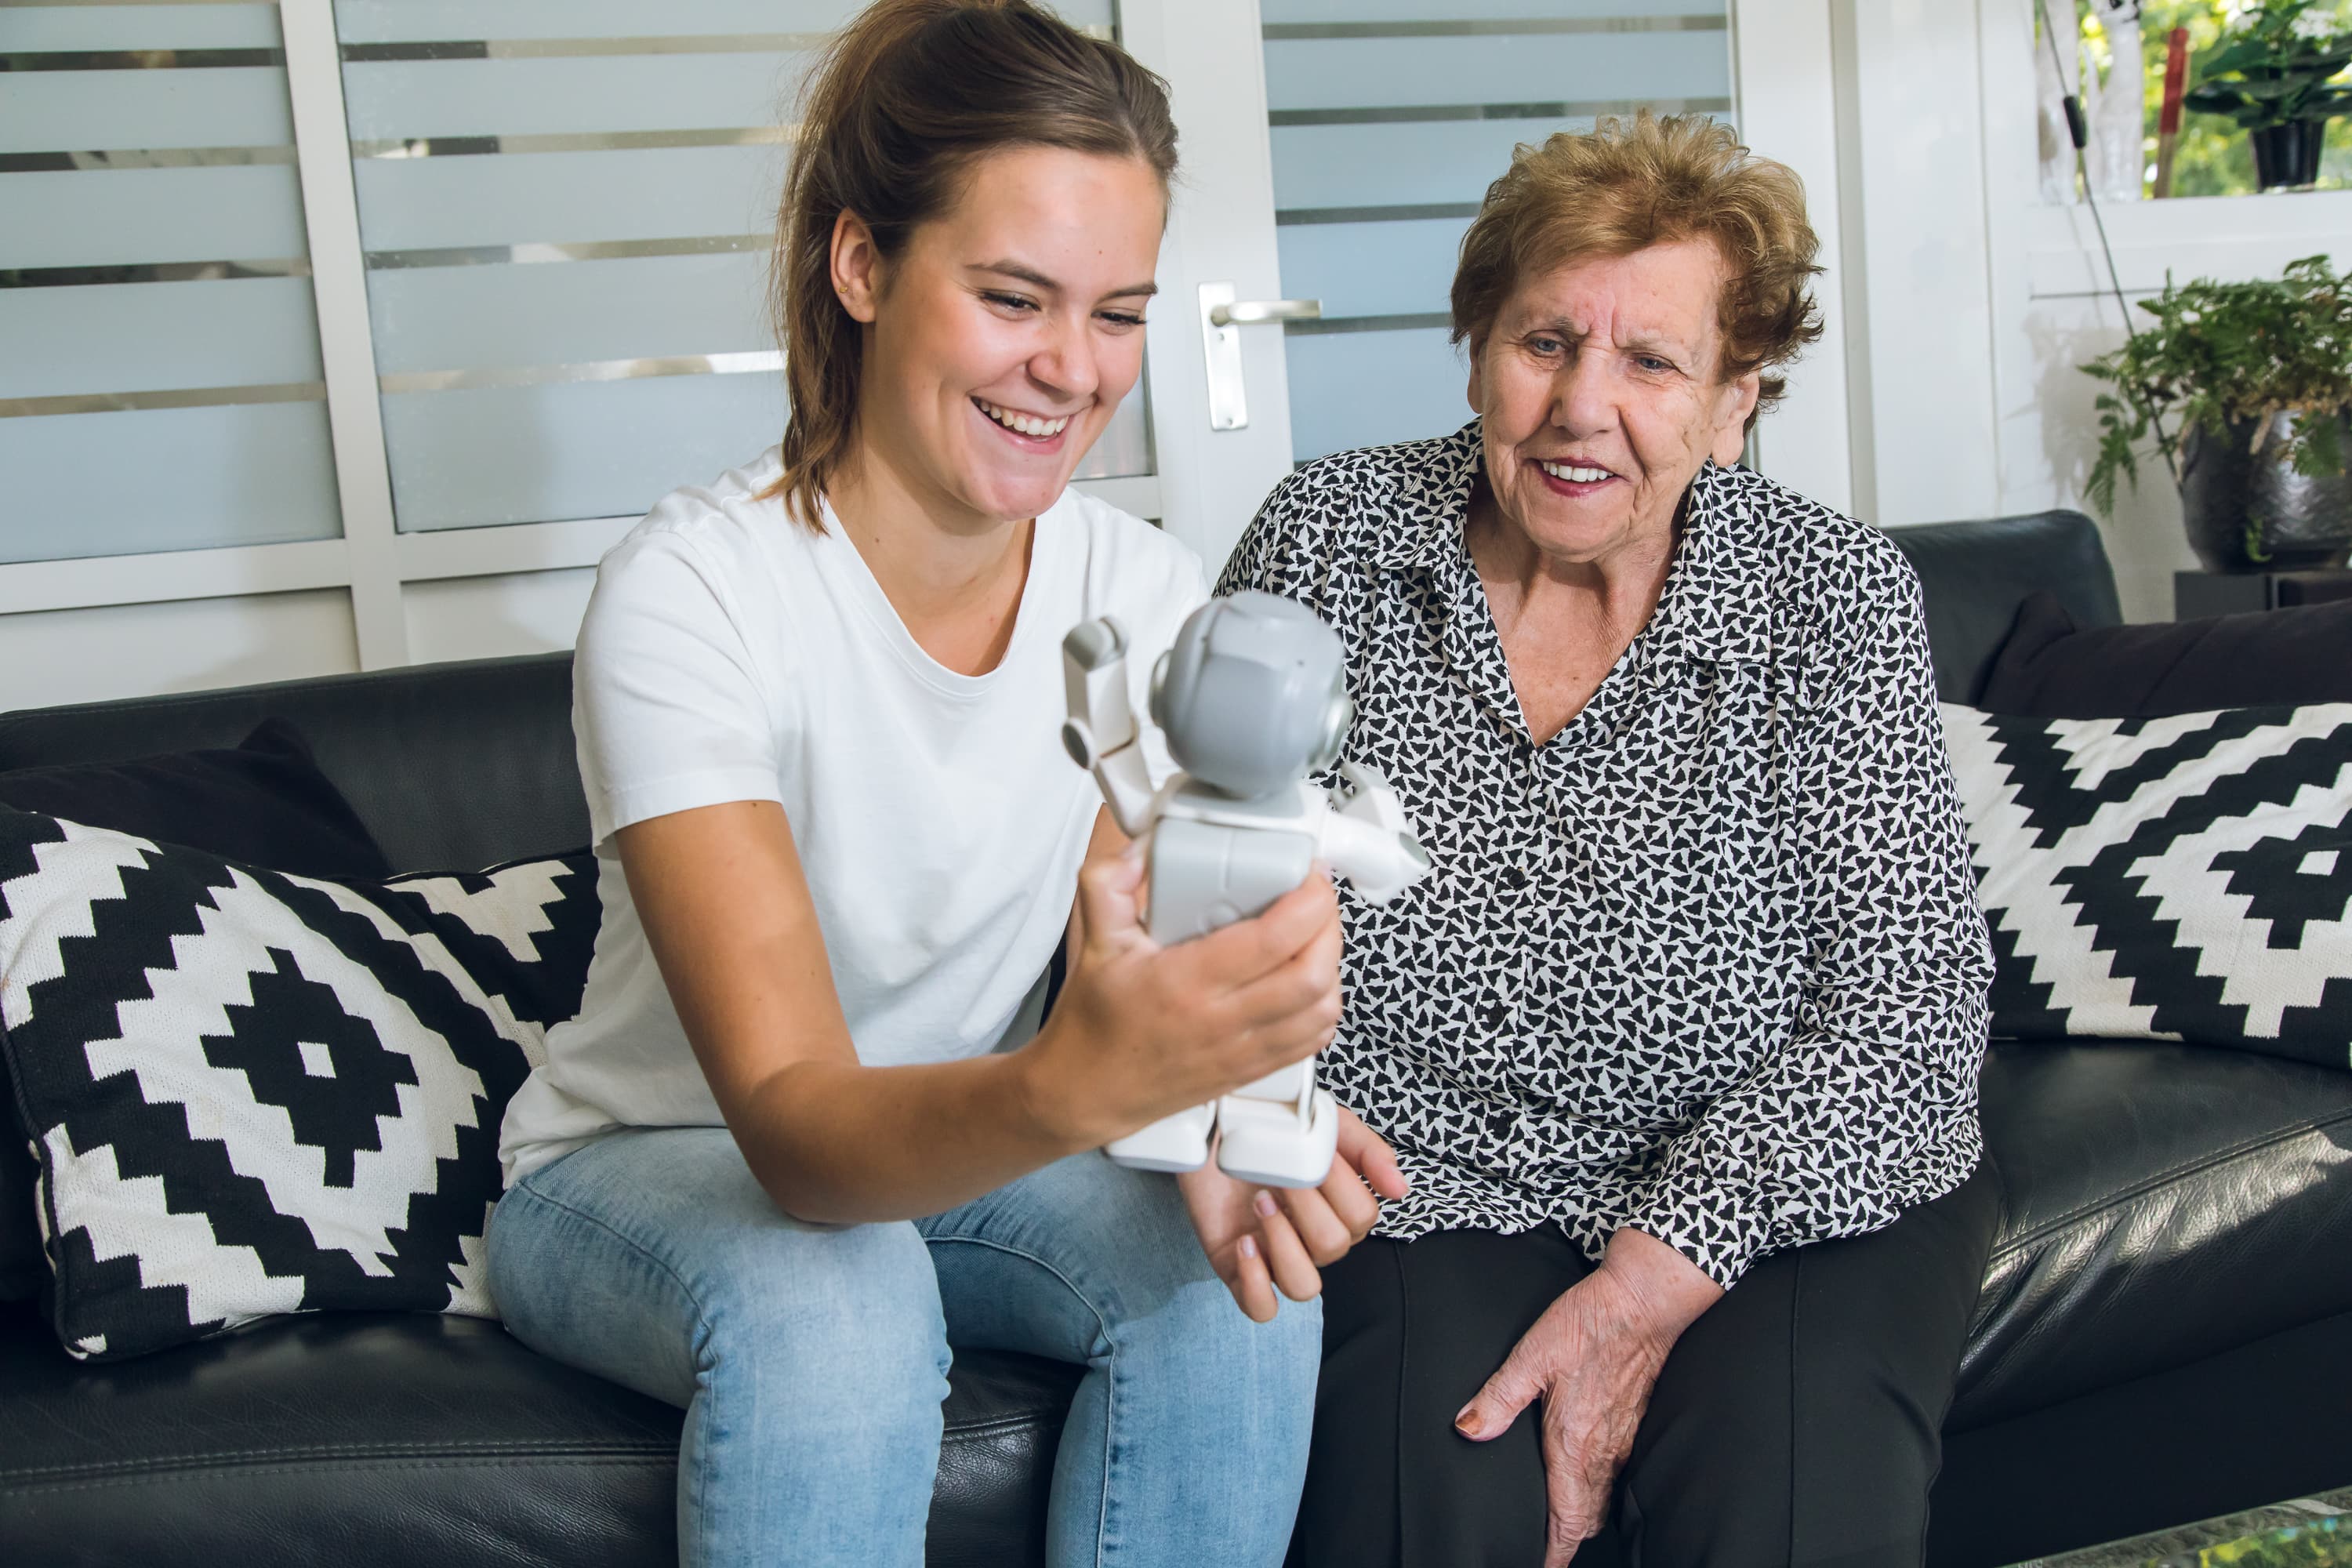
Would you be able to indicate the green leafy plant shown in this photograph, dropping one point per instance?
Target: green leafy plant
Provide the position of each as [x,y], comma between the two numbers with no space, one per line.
[2276,67]
[2224,353]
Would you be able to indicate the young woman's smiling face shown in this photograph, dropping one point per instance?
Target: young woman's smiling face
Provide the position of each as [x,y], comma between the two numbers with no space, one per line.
[1600,392]
[1000,340]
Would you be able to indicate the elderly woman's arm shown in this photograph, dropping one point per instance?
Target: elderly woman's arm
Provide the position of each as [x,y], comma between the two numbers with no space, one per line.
[1869,1107]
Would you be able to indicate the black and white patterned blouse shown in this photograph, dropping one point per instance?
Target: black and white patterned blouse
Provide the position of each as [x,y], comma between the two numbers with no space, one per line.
[1708,962]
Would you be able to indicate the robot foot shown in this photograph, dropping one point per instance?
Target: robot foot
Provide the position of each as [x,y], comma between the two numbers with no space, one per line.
[1177,1144]
[1262,1142]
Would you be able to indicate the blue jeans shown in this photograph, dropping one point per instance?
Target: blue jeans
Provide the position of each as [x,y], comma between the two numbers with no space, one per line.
[811,1360]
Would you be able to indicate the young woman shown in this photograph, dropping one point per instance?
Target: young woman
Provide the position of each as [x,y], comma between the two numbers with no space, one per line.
[794,1147]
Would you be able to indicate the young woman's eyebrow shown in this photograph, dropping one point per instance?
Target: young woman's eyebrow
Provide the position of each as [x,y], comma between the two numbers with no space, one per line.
[1038,281]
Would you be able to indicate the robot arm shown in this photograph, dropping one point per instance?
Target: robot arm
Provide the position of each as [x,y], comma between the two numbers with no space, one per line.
[1367,839]
[1100,732]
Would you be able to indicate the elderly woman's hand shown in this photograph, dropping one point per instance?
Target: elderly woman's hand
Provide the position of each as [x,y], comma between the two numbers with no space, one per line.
[1592,1359]
[1262,1240]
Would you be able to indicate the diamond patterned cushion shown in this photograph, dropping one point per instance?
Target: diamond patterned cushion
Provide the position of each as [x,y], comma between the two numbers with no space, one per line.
[251,1092]
[2174,878]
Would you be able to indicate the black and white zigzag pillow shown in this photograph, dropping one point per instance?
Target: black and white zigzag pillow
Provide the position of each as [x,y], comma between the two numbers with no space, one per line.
[251,1092]
[2179,879]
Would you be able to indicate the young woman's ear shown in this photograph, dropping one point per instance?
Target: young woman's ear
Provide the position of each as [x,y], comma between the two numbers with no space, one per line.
[856,267]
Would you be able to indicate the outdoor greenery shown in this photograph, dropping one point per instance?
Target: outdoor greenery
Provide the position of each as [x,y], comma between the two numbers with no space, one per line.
[2275,68]
[2219,354]
[2323,1544]
[2214,157]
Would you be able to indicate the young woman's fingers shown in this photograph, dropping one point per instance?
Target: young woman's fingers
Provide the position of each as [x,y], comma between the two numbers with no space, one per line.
[1294,1271]
[1254,947]
[1109,891]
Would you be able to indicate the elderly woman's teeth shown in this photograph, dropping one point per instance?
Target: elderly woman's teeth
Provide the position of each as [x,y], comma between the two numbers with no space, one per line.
[1026,424]
[1575,473]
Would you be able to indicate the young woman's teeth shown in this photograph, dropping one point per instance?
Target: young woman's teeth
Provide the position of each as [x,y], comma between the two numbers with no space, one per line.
[1026,424]
[1576,473]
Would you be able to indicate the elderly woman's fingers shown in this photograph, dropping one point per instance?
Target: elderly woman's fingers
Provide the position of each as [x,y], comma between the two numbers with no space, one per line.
[1251,1285]
[1295,1273]
[1513,1387]
[1326,1233]
[1576,1495]
[1371,1155]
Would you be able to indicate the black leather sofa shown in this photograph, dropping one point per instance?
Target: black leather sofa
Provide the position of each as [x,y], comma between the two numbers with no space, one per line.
[2164,1333]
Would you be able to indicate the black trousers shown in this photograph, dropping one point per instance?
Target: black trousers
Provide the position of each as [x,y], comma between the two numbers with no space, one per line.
[1797,1422]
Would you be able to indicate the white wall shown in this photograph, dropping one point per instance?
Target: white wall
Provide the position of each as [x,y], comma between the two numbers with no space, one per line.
[1980,302]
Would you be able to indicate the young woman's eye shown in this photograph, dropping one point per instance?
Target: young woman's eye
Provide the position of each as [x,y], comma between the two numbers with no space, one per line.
[1125,320]
[1009,301]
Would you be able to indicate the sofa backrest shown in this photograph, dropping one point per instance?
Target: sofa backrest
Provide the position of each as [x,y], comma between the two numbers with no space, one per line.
[453,765]
[1974,576]
[450,765]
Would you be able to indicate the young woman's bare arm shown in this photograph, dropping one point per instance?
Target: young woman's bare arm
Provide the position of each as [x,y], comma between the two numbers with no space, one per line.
[1139,1031]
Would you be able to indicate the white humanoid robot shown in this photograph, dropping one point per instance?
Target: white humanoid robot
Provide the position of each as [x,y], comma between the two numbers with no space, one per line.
[1252,698]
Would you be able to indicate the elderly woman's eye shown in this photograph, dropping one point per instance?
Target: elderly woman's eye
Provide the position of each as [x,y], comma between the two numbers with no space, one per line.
[1652,362]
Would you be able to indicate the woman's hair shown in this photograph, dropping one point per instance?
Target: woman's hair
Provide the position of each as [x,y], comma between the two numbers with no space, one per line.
[905,101]
[1620,188]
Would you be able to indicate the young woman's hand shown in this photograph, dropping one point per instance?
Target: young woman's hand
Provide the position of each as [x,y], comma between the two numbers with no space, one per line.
[1143,1031]
[1262,1240]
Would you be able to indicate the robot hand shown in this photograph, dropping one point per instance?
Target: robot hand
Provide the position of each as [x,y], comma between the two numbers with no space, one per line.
[1367,838]
[1100,733]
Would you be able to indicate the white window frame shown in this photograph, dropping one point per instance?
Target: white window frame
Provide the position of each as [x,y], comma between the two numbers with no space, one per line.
[1206,484]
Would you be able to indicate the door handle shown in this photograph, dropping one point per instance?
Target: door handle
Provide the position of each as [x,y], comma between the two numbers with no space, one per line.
[1256,312]
[1222,319]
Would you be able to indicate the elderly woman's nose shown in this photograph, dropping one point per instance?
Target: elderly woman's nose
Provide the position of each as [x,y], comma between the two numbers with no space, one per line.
[1583,392]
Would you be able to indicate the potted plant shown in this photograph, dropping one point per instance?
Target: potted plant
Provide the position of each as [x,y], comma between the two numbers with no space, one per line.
[2272,76]
[2256,380]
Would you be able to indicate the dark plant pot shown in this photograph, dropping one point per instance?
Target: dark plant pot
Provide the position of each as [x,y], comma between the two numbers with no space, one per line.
[2249,511]
[2288,154]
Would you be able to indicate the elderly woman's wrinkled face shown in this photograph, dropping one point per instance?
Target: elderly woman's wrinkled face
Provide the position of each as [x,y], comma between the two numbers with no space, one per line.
[1600,390]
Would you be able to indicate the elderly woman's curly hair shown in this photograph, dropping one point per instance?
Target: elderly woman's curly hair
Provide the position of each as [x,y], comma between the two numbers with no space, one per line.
[1622,187]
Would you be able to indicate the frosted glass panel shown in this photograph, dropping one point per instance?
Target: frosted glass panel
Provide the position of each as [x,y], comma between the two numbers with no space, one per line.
[254,332]
[159,379]
[667,192]
[566,209]
[79,109]
[1367,389]
[105,218]
[433,318]
[164,479]
[524,97]
[1347,73]
[525,454]
[1388,119]
[57,28]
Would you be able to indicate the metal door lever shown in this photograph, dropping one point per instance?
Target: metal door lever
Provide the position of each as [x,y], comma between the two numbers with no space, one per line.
[1253,313]
[1222,319]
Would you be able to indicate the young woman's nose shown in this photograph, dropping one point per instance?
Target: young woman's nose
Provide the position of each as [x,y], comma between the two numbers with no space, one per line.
[1065,364]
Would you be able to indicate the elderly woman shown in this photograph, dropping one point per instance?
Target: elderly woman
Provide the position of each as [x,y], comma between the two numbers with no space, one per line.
[1679,1042]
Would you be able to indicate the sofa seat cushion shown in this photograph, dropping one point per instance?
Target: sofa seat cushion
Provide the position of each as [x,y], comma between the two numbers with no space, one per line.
[2165,1204]
[388,1438]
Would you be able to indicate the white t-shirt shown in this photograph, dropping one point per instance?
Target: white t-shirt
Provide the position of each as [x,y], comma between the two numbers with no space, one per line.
[730,654]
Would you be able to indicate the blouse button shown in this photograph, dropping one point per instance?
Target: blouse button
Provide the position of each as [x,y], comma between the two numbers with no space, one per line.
[1515,877]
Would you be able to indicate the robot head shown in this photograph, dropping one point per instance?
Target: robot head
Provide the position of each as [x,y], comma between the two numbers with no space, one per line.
[1254,694]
